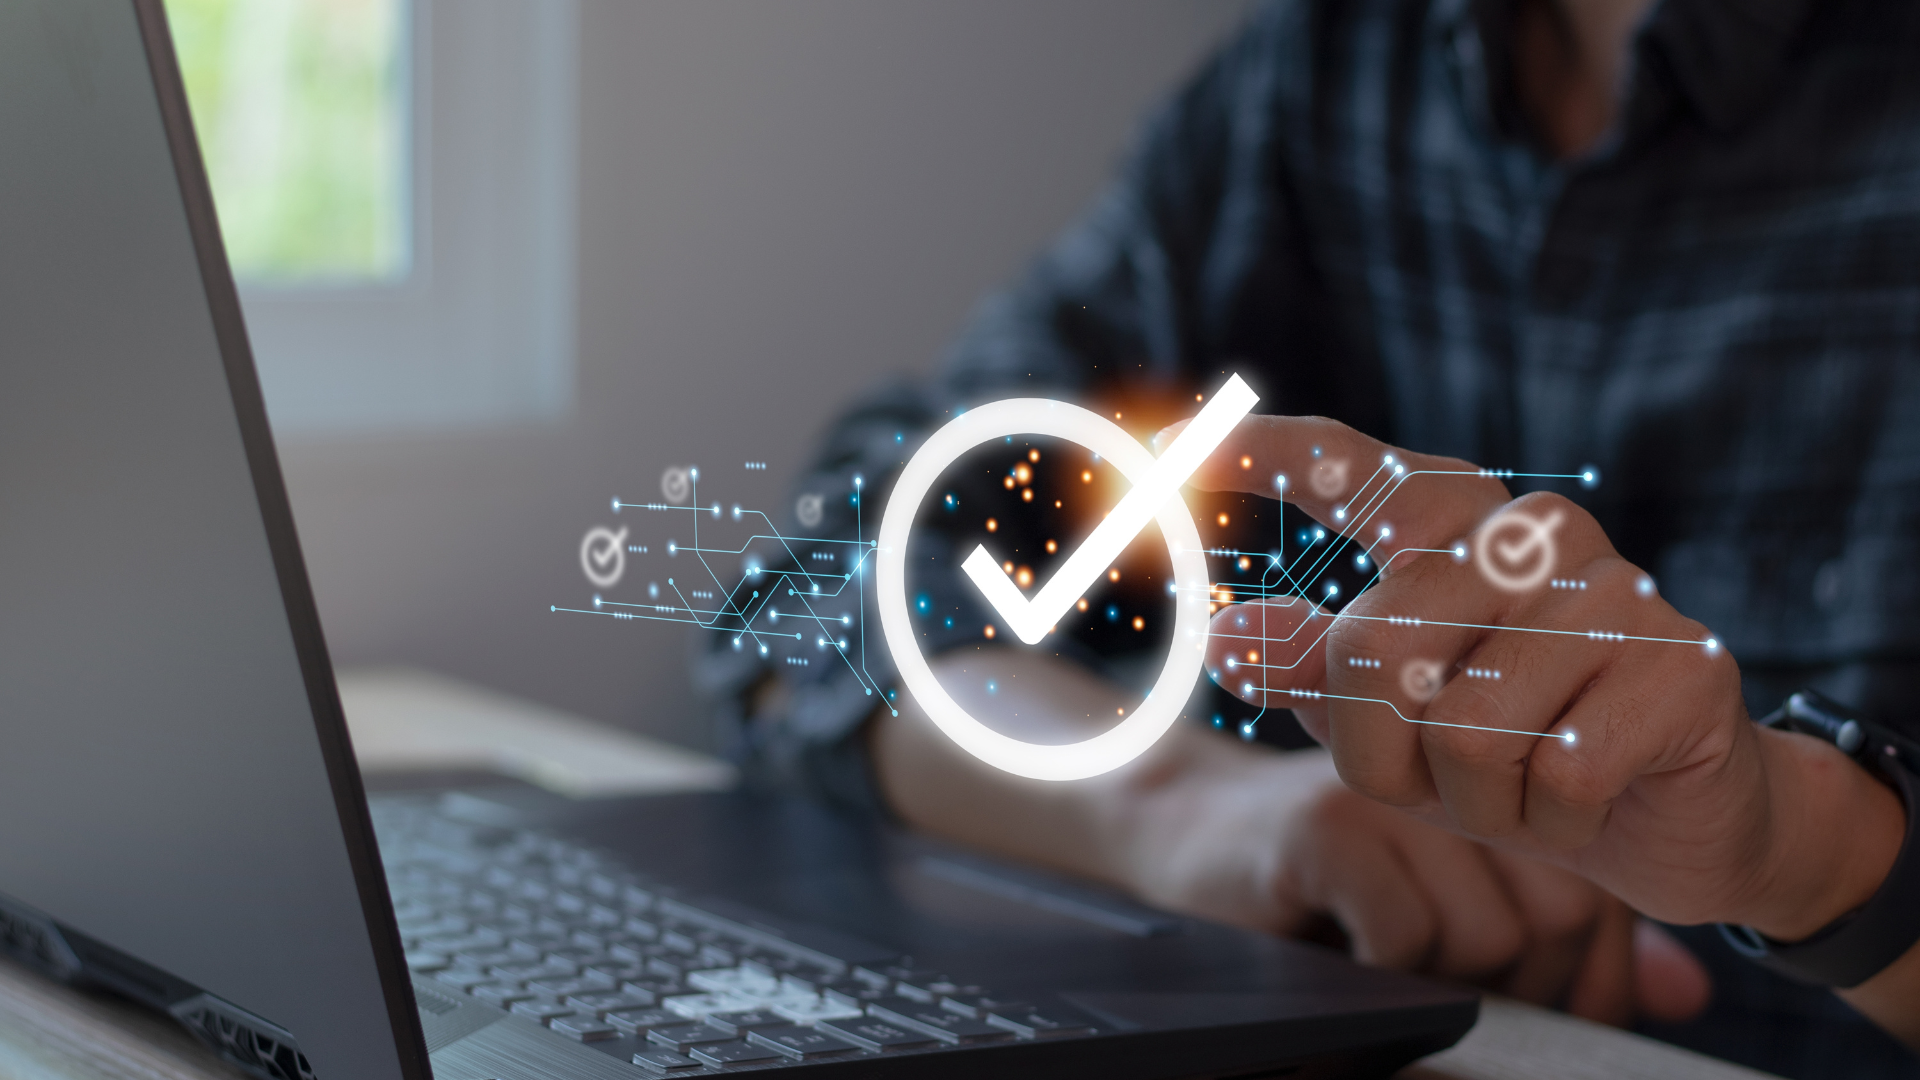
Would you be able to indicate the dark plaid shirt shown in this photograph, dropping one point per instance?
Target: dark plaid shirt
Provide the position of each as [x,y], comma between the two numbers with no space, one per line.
[1719,308]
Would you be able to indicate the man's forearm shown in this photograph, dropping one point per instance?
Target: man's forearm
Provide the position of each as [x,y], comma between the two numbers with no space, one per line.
[1073,827]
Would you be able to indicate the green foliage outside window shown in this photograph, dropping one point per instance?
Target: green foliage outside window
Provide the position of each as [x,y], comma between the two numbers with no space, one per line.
[300,110]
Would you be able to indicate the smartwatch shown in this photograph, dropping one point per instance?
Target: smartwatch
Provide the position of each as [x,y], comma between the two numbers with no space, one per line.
[1860,944]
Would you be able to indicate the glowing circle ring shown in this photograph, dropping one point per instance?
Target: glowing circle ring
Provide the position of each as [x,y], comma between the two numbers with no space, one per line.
[1143,727]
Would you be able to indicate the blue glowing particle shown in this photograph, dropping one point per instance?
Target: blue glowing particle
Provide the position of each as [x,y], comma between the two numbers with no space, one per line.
[923,603]
[1360,561]
[949,622]
[1333,590]
[616,504]
[1246,731]
[1316,451]
[951,502]
[1590,477]
[992,687]
[1645,586]
[1113,612]
[899,436]
[1219,721]
[653,590]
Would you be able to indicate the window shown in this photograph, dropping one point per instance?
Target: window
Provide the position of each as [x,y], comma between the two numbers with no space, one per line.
[395,186]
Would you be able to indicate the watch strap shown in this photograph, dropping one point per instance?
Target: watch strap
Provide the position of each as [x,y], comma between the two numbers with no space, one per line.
[1862,943]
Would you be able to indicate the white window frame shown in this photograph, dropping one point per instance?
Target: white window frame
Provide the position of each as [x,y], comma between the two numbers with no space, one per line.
[479,327]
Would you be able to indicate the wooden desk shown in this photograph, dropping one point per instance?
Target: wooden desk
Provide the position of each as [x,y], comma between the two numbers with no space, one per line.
[411,721]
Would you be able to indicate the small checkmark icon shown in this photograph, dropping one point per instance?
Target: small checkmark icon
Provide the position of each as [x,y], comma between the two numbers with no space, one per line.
[1031,619]
[602,556]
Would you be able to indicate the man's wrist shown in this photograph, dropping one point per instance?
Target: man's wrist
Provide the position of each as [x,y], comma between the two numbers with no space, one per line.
[1837,832]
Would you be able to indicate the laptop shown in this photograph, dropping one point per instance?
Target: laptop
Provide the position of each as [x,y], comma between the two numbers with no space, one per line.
[185,824]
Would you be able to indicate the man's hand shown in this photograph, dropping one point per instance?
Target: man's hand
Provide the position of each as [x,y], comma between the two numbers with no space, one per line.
[1651,781]
[1274,842]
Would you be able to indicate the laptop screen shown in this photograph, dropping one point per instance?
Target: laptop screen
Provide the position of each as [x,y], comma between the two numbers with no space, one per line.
[168,786]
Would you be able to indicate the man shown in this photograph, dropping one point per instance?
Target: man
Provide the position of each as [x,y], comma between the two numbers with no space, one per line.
[1677,246]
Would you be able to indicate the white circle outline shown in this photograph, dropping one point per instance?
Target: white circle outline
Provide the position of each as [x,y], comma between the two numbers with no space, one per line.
[1143,727]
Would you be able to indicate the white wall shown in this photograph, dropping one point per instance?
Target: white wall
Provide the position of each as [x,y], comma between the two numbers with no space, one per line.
[781,202]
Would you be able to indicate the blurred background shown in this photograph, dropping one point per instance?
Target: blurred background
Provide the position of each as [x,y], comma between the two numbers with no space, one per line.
[504,260]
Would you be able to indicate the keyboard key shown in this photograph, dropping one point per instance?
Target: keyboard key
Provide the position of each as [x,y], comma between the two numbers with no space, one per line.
[742,1021]
[674,968]
[929,990]
[947,1026]
[465,978]
[660,988]
[813,1010]
[1052,1021]
[800,1043]
[584,1028]
[565,988]
[486,958]
[505,995]
[615,973]
[979,1005]
[600,1004]
[733,980]
[427,962]
[695,1006]
[814,980]
[855,996]
[871,1034]
[665,1061]
[535,972]
[738,1052]
[641,1021]
[684,1037]
[541,1009]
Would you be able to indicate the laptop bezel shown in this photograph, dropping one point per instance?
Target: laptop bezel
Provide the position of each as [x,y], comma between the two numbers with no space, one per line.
[276,512]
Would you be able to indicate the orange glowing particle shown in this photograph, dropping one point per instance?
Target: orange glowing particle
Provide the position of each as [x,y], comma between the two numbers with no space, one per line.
[1033,455]
[1009,482]
[1139,623]
[1056,504]
[1026,494]
[989,633]
[1082,605]
[1253,656]
[1246,462]
[1119,712]
[1113,574]
[1222,519]
[1116,416]
[1245,563]
[1196,397]
[1052,546]
[992,525]
[1007,566]
[1086,476]
[1022,473]
[1023,577]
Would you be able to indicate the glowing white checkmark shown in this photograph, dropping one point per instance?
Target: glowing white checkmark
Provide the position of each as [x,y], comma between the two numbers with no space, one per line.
[1031,619]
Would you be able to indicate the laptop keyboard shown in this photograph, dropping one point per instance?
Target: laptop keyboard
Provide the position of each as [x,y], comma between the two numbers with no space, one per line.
[572,939]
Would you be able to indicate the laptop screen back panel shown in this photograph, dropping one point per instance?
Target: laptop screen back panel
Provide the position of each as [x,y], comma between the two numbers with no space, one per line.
[175,780]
